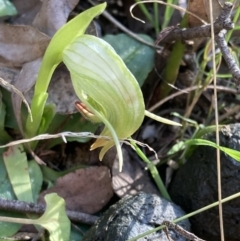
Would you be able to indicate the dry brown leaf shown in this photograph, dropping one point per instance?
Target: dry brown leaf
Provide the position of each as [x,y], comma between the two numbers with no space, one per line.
[216,8]
[132,179]
[85,190]
[27,10]
[201,9]
[60,91]
[21,44]
[197,7]
[9,74]
[49,23]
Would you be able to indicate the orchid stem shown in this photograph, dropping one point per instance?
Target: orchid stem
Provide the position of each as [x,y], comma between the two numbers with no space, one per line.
[153,170]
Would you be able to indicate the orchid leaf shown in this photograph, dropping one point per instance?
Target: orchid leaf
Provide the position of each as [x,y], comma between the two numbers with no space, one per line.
[201,142]
[55,219]
[6,192]
[52,58]
[161,119]
[15,160]
[107,88]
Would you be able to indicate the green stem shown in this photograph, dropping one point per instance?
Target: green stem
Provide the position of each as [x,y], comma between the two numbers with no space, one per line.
[153,170]
[168,13]
[173,64]
[156,25]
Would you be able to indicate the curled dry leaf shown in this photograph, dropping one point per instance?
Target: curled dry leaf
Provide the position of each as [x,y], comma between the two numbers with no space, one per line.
[21,44]
[85,190]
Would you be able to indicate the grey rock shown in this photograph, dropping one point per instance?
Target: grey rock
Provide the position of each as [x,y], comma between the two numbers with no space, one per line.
[134,215]
[195,186]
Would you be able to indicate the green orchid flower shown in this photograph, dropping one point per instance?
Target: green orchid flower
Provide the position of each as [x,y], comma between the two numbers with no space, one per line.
[104,84]
[108,91]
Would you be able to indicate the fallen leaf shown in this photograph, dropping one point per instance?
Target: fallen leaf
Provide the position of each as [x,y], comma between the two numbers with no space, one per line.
[85,190]
[26,10]
[21,44]
[49,23]
[60,91]
[216,6]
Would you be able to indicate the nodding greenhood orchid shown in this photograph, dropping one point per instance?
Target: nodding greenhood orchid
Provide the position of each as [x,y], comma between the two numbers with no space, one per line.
[108,91]
[104,84]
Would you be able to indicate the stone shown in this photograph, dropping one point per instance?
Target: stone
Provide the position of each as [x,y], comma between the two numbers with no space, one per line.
[195,186]
[134,215]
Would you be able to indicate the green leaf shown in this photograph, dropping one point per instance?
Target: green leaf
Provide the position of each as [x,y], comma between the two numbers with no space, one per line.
[201,142]
[55,219]
[138,57]
[6,192]
[15,160]
[51,59]
[10,120]
[4,137]
[36,179]
[104,84]
[7,8]
[47,117]
[8,229]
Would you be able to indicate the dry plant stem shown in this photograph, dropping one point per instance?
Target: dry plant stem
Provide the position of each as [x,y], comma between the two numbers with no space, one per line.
[232,111]
[62,135]
[108,16]
[230,61]
[224,16]
[6,84]
[186,234]
[216,122]
[222,22]
[166,4]
[24,207]
[187,90]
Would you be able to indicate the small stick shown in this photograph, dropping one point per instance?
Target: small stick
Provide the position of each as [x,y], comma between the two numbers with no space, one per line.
[186,234]
[222,22]
[230,61]
[24,207]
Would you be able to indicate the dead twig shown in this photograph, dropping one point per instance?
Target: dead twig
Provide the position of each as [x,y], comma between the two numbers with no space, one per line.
[222,22]
[24,207]
[186,234]
[230,61]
